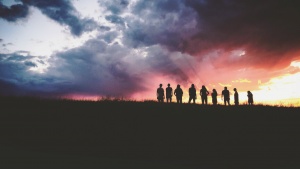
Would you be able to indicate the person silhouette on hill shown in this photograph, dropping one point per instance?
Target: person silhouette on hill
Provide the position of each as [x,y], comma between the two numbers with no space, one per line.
[178,93]
[192,93]
[203,94]
[160,93]
[225,96]
[169,93]
[214,95]
[250,98]
[236,97]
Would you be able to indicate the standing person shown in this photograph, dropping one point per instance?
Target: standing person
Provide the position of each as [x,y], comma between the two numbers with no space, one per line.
[203,94]
[169,93]
[178,93]
[192,93]
[225,96]
[236,97]
[214,95]
[250,98]
[160,93]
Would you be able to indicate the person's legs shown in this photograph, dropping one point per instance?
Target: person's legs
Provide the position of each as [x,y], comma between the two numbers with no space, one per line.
[190,99]
[227,100]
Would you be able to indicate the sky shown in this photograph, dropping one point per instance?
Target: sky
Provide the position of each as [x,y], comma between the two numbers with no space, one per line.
[125,48]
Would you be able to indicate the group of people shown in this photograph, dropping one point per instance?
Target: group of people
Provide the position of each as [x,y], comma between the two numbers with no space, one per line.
[203,93]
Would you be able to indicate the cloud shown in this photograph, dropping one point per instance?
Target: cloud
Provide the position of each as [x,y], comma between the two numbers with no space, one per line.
[168,23]
[13,73]
[208,42]
[115,19]
[114,6]
[267,30]
[97,68]
[104,69]
[16,78]
[63,12]
[242,81]
[14,12]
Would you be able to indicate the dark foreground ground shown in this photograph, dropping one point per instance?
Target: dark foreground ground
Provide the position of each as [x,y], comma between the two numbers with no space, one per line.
[72,134]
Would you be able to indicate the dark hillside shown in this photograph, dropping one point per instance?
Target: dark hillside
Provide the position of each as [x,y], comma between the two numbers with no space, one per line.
[38,133]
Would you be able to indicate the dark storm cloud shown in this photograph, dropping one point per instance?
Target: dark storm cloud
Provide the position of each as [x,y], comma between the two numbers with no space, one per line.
[14,75]
[17,79]
[99,68]
[268,30]
[96,68]
[14,12]
[169,23]
[160,63]
[115,6]
[30,64]
[115,19]
[63,12]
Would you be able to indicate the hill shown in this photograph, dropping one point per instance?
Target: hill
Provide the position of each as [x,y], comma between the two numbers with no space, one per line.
[39,133]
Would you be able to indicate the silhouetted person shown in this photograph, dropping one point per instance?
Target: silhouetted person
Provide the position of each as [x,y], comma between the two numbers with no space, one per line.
[250,98]
[214,95]
[192,93]
[225,96]
[203,94]
[178,93]
[169,93]
[236,97]
[160,94]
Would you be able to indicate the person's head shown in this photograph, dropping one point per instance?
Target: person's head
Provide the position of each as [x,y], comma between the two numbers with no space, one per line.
[169,84]
[248,92]
[203,87]
[193,85]
[225,88]
[234,89]
[160,85]
[178,86]
[214,90]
